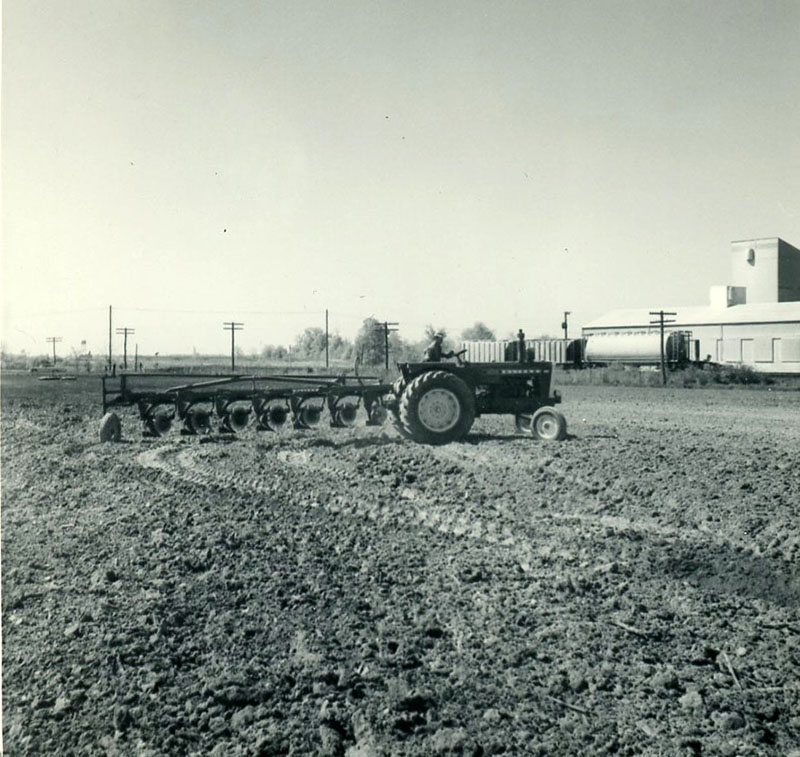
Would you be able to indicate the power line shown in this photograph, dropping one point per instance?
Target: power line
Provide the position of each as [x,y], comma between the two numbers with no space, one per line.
[124,330]
[14,315]
[53,340]
[233,327]
[661,321]
[218,312]
[386,327]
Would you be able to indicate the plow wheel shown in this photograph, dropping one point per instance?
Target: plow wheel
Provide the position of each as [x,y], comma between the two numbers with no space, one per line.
[238,418]
[346,414]
[436,408]
[549,424]
[274,418]
[159,424]
[377,415]
[110,428]
[200,421]
[309,416]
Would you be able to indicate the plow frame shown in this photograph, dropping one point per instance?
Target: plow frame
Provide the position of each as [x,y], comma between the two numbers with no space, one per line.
[215,392]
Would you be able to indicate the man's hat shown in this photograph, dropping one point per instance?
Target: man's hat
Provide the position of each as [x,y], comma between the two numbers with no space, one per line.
[438,335]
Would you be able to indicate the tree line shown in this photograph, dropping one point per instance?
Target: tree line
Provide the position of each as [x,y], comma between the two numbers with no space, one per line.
[369,344]
[368,347]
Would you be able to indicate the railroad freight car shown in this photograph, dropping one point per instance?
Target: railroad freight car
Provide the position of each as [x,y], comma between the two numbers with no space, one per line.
[641,349]
[562,352]
[635,348]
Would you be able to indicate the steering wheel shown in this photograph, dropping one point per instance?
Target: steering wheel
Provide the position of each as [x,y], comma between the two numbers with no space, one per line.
[458,355]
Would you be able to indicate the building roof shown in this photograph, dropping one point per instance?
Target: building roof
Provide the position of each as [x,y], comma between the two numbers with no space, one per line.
[757,312]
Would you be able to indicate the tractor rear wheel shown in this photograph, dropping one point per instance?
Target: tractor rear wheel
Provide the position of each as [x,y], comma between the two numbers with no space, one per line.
[398,387]
[548,424]
[437,407]
[397,424]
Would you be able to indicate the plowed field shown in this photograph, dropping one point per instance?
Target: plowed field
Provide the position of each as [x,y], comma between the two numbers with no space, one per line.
[632,590]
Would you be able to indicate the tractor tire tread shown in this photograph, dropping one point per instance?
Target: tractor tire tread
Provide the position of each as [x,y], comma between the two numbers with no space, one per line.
[407,420]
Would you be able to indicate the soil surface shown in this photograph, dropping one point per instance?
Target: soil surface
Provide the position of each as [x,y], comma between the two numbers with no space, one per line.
[632,590]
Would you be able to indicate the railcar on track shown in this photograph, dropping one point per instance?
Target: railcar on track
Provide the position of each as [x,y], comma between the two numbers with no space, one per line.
[596,350]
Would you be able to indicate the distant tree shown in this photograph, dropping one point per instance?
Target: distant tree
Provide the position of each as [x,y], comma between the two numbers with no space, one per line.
[339,348]
[430,331]
[273,351]
[400,350]
[447,343]
[311,343]
[478,331]
[369,342]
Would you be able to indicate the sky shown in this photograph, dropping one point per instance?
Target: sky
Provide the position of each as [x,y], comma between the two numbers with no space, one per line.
[191,162]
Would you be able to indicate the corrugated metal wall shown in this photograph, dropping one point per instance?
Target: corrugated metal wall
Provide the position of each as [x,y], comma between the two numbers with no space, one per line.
[552,350]
[485,352]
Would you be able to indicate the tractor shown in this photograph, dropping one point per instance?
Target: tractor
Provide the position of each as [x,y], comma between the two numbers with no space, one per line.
[429,403]
[436,403]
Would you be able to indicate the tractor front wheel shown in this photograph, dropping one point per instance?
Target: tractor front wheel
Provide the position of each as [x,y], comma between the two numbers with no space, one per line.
[436,408]
[548,424]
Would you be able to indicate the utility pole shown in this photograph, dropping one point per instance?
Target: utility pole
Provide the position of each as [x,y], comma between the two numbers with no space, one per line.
[109,338]
[136,359]
[233,327]
[53,340]
[662,319]
[564,324]
[124,330]
[326,338]
[386,327]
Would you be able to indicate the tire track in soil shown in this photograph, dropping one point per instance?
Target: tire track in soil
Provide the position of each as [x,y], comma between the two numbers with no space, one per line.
[563,479]
[714,560]
[409,508]
[186,466]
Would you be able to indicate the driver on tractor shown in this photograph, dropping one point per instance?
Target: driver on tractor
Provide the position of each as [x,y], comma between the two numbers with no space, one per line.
[434,353]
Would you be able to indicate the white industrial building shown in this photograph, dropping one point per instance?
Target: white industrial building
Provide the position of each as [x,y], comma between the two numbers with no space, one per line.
[754,321]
